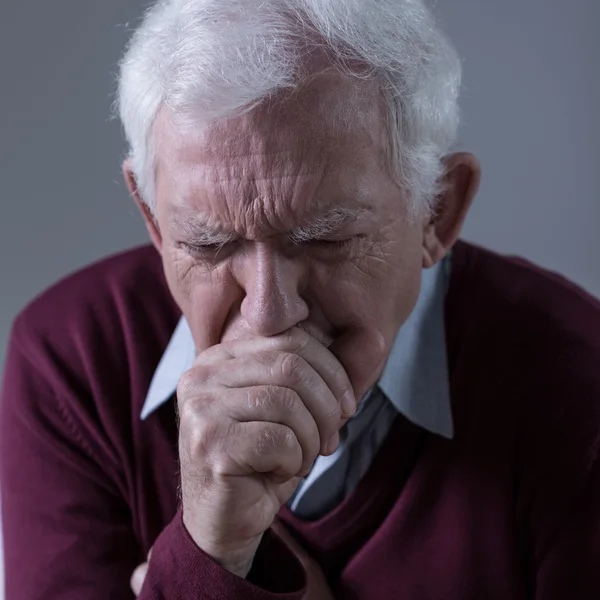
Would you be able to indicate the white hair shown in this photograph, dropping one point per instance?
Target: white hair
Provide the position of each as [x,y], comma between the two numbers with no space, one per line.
[212,59]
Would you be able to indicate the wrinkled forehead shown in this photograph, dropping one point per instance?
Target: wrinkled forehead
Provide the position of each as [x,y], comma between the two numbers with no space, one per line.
[333,117]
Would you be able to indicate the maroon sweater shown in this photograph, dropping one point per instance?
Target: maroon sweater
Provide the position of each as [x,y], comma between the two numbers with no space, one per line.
[508,509]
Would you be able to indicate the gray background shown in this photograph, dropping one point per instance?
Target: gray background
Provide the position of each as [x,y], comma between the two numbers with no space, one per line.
[530,112]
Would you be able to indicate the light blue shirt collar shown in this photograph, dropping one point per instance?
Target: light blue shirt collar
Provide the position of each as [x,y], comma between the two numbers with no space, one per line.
[178,358]
[415,378]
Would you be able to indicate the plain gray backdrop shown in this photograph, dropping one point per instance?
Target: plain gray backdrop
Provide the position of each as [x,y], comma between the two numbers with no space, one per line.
[530,103]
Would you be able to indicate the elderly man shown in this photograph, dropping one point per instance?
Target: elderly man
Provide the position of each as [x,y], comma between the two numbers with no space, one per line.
[307,388]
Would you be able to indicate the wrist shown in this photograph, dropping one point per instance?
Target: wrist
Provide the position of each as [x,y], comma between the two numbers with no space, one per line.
[235,557]
[235,560]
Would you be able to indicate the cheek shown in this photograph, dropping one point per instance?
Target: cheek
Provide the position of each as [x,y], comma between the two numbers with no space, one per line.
[364,302]
[377,290]
[205,296]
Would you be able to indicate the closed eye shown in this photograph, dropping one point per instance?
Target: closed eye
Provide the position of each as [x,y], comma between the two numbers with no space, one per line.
[331,244]
[327,244]
[205,251]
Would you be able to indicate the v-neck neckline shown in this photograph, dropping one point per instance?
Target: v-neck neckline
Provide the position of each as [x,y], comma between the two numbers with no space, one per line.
[336,536]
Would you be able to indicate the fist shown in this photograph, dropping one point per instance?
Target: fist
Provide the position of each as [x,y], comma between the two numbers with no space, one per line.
[254,415]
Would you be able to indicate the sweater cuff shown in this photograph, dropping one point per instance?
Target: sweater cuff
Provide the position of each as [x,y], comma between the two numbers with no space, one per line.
[179,569]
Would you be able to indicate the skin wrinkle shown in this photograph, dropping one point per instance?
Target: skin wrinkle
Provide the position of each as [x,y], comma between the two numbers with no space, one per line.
[280,167]
[198,232]
[264,203]
[266,212]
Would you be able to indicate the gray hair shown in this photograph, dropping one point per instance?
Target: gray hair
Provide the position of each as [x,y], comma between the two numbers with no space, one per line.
[211,59]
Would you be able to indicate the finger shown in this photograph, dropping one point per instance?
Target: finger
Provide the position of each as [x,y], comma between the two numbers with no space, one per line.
[288,370]
[362,352]
[269,403]
[295,341]
[137,579]
[265,448]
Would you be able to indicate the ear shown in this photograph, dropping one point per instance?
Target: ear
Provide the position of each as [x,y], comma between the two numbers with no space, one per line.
[151,224]
[460,184]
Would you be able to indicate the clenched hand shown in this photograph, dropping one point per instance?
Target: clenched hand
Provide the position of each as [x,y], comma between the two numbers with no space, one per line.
[254,415]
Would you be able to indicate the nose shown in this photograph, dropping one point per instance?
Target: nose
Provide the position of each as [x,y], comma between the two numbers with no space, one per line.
[272,282]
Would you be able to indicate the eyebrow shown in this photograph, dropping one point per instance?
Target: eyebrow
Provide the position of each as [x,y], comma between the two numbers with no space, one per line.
[201,234]
[330,222]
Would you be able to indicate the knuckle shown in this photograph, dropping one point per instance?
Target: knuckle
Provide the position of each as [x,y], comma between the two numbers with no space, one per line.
[188,407]
[288,400]
[261,399]
[191,411]
[269,399]
[266,442]
[203,457]
[220,467]
[186,384]
[294,339]
[204,434]
[275,439]
[287,438]
[202,437]
[290,366]
[191,381]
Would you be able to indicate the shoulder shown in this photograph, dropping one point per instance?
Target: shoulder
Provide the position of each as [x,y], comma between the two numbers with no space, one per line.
[528,310]
[79,362]
[94,290]
[526,342]
[538,330]
[99,321]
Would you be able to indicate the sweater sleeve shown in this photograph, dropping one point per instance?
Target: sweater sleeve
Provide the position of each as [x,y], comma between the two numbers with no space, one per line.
[68,528]
[67,532]
[179,569]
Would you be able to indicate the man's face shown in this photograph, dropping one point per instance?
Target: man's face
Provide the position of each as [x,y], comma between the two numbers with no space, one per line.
[287,217]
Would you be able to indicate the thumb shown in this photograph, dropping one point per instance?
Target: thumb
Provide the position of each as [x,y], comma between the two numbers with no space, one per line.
[361,352]
[139,575]
[137,579]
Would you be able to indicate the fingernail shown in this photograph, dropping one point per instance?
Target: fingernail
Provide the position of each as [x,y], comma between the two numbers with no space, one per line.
[348,404]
